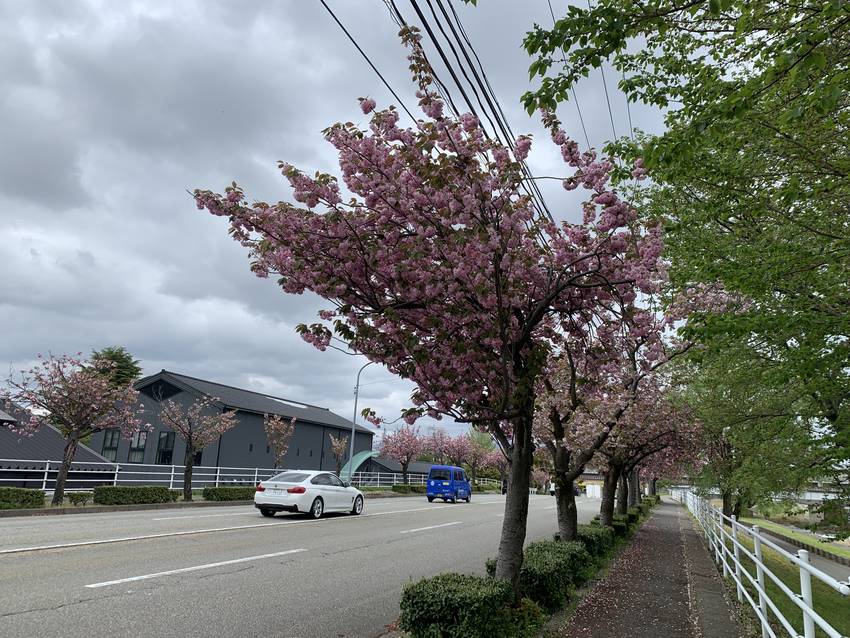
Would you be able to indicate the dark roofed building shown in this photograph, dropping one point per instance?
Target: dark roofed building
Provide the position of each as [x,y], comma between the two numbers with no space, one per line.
[47,443]
[243,446]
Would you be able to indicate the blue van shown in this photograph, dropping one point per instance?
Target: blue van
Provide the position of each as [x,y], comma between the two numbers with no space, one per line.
[448,483]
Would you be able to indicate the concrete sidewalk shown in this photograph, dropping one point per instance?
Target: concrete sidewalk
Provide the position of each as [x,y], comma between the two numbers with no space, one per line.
[663,585]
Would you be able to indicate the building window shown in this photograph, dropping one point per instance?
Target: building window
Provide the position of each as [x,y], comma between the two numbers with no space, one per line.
[268,449]
[165,448]
[250,447]
[198,455]
[137,448]
[110,444]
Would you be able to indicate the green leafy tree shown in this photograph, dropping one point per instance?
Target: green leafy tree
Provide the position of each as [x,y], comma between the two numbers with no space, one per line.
[124,369]
[751,174]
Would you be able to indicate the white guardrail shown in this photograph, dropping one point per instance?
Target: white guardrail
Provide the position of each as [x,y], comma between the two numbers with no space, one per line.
[725,535]
[84,476]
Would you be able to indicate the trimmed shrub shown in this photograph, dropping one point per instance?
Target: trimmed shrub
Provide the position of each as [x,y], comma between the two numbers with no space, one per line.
[131,495]
[549,570]
[78,498]
[596,539]
[175,495]
[228,493]
[14,498]
[621,527]
[450,605]
[633,515]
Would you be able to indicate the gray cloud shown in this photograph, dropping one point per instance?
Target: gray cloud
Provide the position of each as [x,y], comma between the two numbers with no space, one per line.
[110,112]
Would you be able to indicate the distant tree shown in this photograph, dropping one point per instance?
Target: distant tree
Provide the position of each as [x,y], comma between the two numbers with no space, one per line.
[458,449]
[404,445]
[278,433]
[125,369]
[497,460]
[77,397]
[198,425]
[436,444]
[339,447]
[480,446]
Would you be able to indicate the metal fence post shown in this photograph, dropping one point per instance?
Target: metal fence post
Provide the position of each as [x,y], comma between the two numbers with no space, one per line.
[738,583]
[171,480]
[256,475]
[760,579]
[115,476]
[806,595]
[217,470]
[46,470]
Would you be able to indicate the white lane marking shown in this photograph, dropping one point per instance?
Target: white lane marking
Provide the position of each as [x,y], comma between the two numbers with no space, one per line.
[36,548]
[422,529]
[183,570]
[174,518]
[554,507]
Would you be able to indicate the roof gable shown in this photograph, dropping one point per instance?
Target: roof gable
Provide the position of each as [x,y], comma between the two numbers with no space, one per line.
[251,401]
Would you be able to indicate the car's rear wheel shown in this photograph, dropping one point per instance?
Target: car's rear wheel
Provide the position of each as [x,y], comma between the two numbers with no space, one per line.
[267,512]
[430,499]
[358,506]
[453,499]
[469,497]
[317,508]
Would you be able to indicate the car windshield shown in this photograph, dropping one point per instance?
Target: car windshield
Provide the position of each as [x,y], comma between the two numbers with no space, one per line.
[438,474]
[289,477]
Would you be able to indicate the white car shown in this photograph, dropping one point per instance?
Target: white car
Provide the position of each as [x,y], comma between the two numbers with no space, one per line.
[308,492]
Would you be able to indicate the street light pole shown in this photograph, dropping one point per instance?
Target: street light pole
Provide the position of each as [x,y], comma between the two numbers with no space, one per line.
[354,421]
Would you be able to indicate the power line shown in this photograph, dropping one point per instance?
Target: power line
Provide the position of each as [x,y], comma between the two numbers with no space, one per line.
[366,57]
[605,86]
[629,111]
[572,88]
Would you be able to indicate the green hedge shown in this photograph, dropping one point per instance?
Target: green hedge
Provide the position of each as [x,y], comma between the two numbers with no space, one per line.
[596,539]
[621,526]
[463,606]
[549,570]
[78,498]
[633,514]
[229,493]
[14,498]
[131,495]
[410,489]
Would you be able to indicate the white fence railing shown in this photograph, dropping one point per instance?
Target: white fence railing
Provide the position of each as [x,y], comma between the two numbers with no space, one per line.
[725,536]
[85,476]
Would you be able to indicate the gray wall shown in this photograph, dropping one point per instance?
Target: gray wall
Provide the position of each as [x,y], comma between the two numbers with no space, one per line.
[245,445]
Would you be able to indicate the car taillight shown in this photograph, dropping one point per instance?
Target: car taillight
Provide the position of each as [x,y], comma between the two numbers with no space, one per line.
[297,490]
[260,488]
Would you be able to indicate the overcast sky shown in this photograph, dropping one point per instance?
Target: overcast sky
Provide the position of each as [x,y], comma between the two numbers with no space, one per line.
[111,111]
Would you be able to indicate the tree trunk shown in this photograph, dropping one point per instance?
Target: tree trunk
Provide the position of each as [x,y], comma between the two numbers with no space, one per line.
[622,495]
[565,499]
[189,464]
[62,476]
[609,487]
[404,467]
[727,502]
[509,560]
[653,490]
[634,488]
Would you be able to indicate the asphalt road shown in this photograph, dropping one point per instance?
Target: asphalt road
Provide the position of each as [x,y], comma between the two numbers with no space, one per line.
[230,572]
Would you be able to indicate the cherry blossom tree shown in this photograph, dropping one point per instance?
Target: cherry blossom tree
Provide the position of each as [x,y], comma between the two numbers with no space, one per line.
[496,460]
[655,424]
[78,398]
[339,449]
[441,268]
[198,425]
[279,432]
[458,449]
[436,444]
[478,452]
[404,445]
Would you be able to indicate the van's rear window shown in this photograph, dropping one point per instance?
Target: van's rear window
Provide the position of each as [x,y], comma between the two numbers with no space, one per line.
[440,475]
[289,477]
